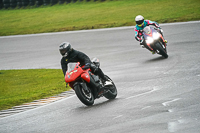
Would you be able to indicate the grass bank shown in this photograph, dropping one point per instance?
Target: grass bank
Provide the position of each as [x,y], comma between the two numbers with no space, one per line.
[21,86]
[92,15]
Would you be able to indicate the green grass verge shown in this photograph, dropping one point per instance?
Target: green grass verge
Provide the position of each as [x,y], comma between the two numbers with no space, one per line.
[21,86]
[92,15]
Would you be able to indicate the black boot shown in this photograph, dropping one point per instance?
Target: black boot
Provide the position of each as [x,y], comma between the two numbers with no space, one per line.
[100,91]
[106,81]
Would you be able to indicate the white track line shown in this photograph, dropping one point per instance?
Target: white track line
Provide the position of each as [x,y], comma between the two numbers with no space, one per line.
[168,102]
[154,89]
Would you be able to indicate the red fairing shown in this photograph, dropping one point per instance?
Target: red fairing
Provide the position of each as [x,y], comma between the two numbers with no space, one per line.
[163,40]
[73,75]
[86,76]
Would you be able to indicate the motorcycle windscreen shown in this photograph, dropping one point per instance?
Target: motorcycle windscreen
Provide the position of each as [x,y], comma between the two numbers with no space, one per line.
[73,72]
[147,30]
[71,66]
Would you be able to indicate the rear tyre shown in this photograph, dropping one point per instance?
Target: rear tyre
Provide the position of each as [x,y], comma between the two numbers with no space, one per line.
[161,50]
[112,91]
[86,98]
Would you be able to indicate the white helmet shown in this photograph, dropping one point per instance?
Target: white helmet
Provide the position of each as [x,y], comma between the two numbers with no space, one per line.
[139,20]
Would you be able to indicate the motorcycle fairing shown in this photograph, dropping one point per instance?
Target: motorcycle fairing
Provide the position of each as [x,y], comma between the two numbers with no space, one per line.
[148,31]
[72,75]
[163,40]
[86,76]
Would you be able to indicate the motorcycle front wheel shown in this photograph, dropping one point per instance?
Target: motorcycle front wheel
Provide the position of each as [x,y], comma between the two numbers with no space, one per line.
[85,97]
[161,50]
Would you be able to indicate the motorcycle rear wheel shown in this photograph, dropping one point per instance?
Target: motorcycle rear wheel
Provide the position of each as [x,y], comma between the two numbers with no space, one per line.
[161,50]
[86,98]
[112,91]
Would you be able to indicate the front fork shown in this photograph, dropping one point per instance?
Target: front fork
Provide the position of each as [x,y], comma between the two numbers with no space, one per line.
[82,84]
[161,40]
[94,84]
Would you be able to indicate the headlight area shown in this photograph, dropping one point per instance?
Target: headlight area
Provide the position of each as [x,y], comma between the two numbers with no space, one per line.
[149,40]
[154,37]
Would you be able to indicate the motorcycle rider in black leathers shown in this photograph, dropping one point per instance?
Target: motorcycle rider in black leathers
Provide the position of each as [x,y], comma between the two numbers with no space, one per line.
[71,55]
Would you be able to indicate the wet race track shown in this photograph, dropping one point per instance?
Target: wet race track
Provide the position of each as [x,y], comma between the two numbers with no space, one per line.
[155,95]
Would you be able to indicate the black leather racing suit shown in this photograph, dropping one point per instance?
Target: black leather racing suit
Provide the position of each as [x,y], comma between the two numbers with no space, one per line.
[77,56]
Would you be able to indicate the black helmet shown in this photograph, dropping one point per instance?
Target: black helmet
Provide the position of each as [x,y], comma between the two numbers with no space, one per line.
[65,48]
[139,20]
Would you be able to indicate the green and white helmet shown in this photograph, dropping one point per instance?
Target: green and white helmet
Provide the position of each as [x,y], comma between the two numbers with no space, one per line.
[139,19]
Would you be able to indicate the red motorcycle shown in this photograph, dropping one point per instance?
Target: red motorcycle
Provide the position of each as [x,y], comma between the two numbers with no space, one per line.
[155,41]
[85,83]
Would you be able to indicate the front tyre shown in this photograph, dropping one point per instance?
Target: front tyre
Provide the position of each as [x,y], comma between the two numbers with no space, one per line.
[161,50]
[111,90]
[85,97]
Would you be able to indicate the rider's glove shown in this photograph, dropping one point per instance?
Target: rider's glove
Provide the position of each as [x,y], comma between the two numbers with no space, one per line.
[94,68]
[87,66]
[161,30]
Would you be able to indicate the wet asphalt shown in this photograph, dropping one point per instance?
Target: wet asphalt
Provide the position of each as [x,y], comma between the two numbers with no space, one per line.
[155,95]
